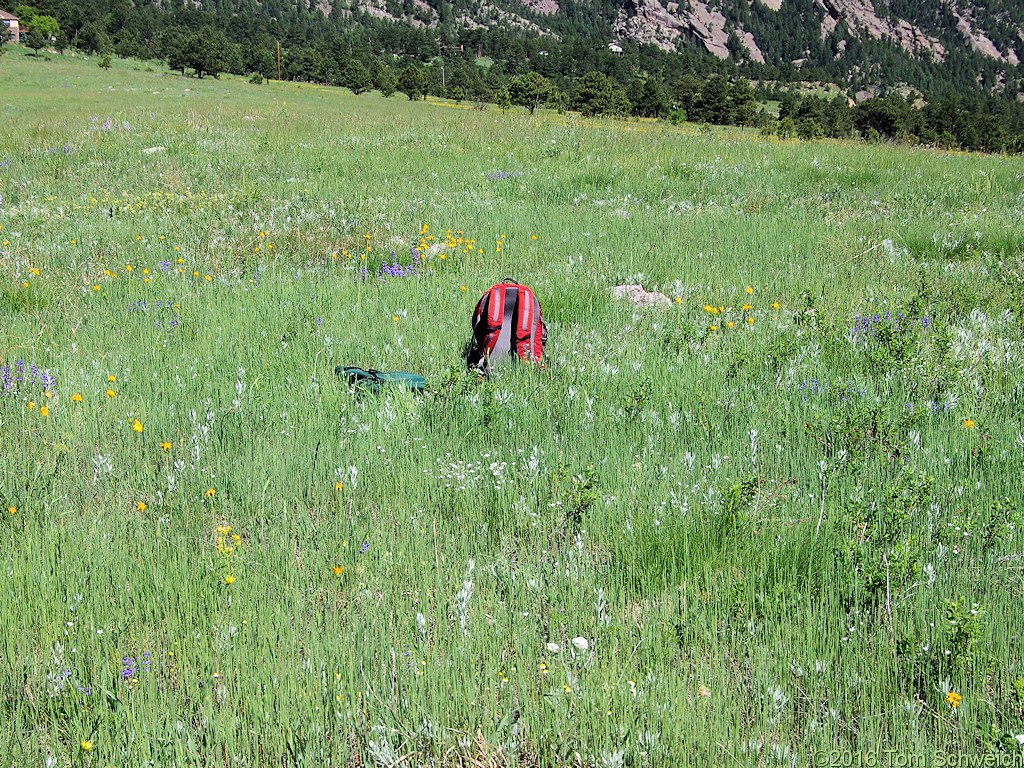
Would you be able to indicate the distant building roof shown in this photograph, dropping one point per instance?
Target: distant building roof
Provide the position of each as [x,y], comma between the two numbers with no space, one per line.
[614,47]
[11,22]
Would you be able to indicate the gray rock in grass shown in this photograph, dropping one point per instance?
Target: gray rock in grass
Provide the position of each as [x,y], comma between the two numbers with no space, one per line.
[640,297]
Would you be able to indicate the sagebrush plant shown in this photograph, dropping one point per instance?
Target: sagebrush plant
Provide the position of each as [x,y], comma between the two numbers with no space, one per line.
[747,525]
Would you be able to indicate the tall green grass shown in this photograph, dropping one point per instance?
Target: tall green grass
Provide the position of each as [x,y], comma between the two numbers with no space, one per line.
[781,540]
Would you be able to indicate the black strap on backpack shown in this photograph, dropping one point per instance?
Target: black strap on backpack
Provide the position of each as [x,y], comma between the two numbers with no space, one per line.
[503,346]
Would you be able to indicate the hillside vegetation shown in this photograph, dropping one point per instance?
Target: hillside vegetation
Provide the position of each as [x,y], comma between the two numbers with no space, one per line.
[933,46]
[868,84]
[777,522]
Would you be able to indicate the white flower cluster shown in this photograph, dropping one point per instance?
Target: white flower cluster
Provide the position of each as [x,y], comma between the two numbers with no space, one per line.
[466,475]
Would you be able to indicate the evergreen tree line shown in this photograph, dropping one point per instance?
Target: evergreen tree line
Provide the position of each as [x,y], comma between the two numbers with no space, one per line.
[497,66]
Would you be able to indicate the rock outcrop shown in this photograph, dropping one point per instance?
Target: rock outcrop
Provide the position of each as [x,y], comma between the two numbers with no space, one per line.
[673,24]
[978,40]
[860,16]
[648,21]
[666,23]
[640,297]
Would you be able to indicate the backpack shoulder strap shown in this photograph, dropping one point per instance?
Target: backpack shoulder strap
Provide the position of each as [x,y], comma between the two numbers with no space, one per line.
[481,308]
[529,325]
[503,344]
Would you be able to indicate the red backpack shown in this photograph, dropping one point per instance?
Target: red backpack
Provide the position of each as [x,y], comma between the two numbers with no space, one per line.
[507,318]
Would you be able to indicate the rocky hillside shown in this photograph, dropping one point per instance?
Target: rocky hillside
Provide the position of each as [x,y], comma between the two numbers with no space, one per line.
[927,30]
[849,36]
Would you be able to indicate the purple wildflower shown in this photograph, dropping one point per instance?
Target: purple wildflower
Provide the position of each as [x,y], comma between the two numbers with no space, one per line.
[868,327]
[13,379]
[397,269]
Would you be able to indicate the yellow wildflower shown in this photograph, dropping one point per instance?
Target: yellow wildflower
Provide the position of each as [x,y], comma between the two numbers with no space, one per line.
[111,393]
[76,398]
[44,411]
[969,423]
[954,699]
[229,579]
[137,425]
[141,506]
[210,493]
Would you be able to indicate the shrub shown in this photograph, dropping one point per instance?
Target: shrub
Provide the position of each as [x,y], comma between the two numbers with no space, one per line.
[809,130]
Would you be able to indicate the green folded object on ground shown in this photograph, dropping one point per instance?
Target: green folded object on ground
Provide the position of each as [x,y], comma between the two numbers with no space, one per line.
[374,381]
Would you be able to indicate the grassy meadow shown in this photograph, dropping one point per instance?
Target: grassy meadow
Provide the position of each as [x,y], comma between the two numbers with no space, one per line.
[775,523]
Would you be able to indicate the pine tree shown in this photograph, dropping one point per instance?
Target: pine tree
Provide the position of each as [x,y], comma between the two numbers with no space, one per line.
[503,100]
[386,83]
[357,78]
[529,90]
[592,95]
[35,40]
[742,103]
[714,105]
[412,83]
[204,52]
[650,98]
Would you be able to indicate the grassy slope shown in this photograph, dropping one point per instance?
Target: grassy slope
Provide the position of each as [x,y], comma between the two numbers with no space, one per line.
[759,528]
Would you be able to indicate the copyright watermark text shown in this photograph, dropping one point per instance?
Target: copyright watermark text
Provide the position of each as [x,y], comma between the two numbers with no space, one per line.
[840,758]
